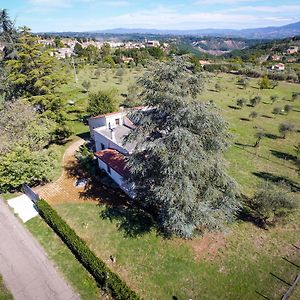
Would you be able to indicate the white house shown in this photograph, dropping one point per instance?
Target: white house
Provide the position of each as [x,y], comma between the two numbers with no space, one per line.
[108,131]
[293,50]
[279,67]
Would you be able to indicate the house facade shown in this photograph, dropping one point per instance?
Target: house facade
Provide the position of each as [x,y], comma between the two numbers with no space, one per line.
[108,132]
[279,67]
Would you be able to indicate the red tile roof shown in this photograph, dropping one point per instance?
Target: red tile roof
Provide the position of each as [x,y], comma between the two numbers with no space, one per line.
[115,160]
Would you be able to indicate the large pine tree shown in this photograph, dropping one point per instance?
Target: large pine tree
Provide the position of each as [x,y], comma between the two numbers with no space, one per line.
[178,164]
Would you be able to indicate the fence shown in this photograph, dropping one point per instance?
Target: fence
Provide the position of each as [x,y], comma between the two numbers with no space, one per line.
[34,197]
[292,287]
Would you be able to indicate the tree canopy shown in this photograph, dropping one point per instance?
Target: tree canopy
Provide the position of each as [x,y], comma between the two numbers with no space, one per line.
[35,75]
[24,137]
[177,166]
[102,102]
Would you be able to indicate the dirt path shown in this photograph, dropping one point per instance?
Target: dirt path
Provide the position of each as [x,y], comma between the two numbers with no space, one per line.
[63,189]
[26,270]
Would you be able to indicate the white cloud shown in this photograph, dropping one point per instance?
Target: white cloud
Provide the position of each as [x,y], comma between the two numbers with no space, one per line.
[163,17]
[169,19]
[269,9]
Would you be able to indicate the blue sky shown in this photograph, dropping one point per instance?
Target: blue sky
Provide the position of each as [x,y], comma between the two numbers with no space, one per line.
[81,15]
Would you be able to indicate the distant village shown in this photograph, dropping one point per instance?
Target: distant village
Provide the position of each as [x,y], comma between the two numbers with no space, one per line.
[68,45]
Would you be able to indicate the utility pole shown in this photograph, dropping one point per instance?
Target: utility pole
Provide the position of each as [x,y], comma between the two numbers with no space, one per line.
[75,73]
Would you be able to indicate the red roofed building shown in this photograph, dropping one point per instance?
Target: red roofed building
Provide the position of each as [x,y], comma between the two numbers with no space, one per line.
[115,160]
[108,132]
[114,164]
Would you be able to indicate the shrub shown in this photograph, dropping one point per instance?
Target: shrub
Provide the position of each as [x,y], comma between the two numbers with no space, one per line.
[254,101]
[253,115]
[264,83]
[241,102]
[218,87]
[288,108]
[102,102]
[86,85]
[96,267]
[273,98]
[276,110]
[295,96]
[272,201]
[284,128]
[85,157]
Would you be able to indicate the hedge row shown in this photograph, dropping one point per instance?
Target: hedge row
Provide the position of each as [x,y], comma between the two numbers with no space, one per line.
[96,267]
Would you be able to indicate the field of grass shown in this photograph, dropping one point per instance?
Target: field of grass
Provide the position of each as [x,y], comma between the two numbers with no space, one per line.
[246,262]
[66,262]
[237,265]
[274,158]
[4,293]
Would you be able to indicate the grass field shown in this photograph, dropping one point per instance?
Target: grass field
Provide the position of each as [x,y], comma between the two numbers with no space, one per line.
[275,158]
[246,262]
[4,293]
[237,265]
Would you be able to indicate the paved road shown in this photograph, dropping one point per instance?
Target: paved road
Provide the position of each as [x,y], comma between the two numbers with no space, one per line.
[26,270]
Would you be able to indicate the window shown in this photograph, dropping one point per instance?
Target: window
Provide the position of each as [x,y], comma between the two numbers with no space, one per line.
[117,121]
[102,146]
[108,169]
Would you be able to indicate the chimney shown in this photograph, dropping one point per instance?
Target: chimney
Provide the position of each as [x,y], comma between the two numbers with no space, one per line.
[113,135]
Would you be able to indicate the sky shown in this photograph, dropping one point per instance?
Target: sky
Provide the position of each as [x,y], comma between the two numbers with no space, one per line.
[84,15]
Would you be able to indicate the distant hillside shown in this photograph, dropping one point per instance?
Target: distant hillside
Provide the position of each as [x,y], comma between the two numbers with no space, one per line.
[289,30]
[278,47]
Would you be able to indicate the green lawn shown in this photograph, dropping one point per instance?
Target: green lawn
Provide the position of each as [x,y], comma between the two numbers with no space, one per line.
[275,156]
[234,266]
[4,293]
[68,265]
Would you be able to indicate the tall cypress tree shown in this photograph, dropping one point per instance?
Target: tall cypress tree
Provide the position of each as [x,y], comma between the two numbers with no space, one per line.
[178,164]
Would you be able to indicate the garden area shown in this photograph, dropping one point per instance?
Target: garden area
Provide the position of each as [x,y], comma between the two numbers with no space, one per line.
[245,261]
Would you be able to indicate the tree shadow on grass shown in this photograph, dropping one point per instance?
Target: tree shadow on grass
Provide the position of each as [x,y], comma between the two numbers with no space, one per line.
[267,117]
[233,107]
[132,220]
[295,187]
[245,119]
[247,212]
[272,136]
[283,155]
[244,145]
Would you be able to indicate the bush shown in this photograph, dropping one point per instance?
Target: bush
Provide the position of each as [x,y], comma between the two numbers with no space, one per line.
[85,157]
[96,267]
[102,102]
[253,115]
[273,201]
[255,101]
[241,102]
[276,110]
[285,128]
[288,108]
[273,98]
